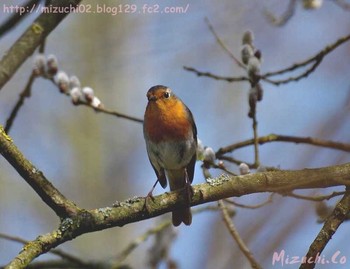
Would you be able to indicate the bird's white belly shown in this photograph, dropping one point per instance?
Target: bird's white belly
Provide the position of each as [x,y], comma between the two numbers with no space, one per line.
[171,155]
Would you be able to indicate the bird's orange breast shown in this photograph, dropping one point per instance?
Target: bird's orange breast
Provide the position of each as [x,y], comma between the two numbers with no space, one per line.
[167,120]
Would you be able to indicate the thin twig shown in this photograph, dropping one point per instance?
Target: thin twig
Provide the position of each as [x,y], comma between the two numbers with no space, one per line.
[256,140]
[296,78]
[138,240]
[250,165]
[285,138]
[23,95]
[318,198]
[317,58]
[207,164]
[344,5]
[284,18]
[235,235]
[222,44]
[111,112]
[216,77]
[159,228]
[269,200]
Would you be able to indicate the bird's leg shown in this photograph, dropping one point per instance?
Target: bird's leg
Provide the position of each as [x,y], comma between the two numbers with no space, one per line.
[150,195]
[188,188]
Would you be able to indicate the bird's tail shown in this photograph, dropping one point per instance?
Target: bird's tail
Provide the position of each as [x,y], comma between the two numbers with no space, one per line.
[177,181]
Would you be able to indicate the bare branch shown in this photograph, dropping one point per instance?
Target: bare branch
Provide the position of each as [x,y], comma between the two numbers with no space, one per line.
[250,165]
[16,17]
[23,95]
[235,235]
[268,201]
[64,255]
[256,140]
[318,198]
[222,45]
[210,75]
[31,39]
[86,221]
[35,178]
[284,18]
[284,138]
[111,112]
[331,225]
[137,241]
[316,60]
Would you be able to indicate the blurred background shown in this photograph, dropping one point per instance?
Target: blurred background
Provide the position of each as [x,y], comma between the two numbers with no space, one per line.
[96,159]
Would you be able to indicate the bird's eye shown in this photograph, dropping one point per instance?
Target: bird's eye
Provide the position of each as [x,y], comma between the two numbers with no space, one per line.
[167,94]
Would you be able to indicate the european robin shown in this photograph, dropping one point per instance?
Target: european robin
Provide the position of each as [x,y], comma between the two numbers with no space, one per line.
[171,139]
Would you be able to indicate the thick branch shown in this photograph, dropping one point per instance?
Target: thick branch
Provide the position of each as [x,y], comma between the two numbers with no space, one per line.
[16,17]
[35,178]
[31,39]
[220,188]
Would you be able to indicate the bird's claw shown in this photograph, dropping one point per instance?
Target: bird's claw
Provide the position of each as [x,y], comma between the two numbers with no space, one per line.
[146,204]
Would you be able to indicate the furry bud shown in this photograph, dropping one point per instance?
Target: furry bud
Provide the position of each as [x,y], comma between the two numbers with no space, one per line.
[96,102]
[88,94]
[52,65]
[244,169]
[246,53]
[61,79]
[312,4]
[253,69]
[76,95]
[209,155]
[74,82]
[248,38]
[200,150]
[39,63]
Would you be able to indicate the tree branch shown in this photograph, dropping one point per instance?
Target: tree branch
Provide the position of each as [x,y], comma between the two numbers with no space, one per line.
[284,18]
[31,39]
[23,95]
[111,112]
[331,225]
[35,178]
[210,75]
[64,255]
[130,211]
[16,17]
[222,45]
[235,235]
[285,138]
[314,60]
